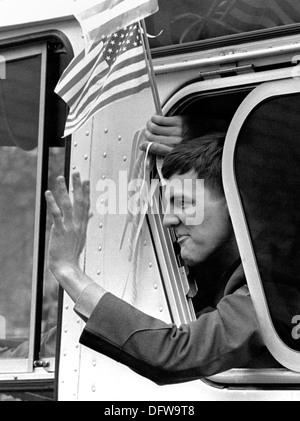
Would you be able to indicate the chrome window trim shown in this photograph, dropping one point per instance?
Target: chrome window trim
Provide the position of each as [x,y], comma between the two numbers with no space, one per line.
[176,289]
[284,355]
[239,53]
[38,206]
[230,82]
[238,377]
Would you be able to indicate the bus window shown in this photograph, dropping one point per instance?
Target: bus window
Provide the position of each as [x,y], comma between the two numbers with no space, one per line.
[19,116]
[186,21]
[32,155]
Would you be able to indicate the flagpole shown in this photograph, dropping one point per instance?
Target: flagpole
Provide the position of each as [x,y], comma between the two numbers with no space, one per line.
[150,67]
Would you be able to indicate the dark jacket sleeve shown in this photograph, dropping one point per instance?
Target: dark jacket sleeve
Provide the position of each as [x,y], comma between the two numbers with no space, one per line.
[218,341]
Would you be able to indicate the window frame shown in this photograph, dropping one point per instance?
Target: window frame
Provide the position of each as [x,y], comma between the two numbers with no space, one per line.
[226,40]
[284,355]
[236,378]
[14,373]
[26,365]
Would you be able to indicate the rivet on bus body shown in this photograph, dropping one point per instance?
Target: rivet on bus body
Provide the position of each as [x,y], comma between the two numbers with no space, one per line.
[145,243]
[161,309]
[94,363]
[98,272]
[78,321]
[87,133]
[93,389]
[86,157]
[150,265]
[119,138]
[105,130]
[75,144]
[156,287]
[125,158]
[101,225]
[104,155]
[64,353]
[100,248]
[74,167]
[103,177]
[66,330]
[67,307]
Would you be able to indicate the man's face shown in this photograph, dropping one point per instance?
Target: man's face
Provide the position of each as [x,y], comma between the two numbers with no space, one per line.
[213,235]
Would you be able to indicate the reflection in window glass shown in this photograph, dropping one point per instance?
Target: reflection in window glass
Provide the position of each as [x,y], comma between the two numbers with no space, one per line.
[17,216]
[19,117]
[184,21]
[268,175]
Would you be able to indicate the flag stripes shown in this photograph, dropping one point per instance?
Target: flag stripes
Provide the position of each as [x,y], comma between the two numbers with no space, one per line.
[91,93]
[114,96]
[108,16]
[75,77]
[111,71]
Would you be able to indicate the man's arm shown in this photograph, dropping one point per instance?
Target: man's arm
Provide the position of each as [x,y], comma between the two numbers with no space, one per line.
[225,338]
[68,233]
[166,354]
[67,240]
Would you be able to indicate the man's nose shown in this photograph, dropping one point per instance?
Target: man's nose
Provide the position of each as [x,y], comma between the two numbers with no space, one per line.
[171,220]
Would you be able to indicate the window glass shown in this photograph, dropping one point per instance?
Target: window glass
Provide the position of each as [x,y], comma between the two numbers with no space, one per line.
[184,21]
[267,165]
[19,116]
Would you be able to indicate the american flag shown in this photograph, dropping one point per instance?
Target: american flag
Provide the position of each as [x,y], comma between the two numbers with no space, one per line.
[113,69]
[101,18]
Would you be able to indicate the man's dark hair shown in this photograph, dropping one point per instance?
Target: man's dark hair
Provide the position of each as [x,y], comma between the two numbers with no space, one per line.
[203,155]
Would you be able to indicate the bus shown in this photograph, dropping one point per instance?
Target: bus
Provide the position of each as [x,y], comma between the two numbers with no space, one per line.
[228,64]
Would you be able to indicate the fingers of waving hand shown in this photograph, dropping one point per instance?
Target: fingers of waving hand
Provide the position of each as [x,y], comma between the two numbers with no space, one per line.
[81,208]
[63,212]
[55,211]
[63,201]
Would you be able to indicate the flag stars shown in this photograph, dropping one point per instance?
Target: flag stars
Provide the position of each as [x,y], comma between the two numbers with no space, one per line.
[122,41]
